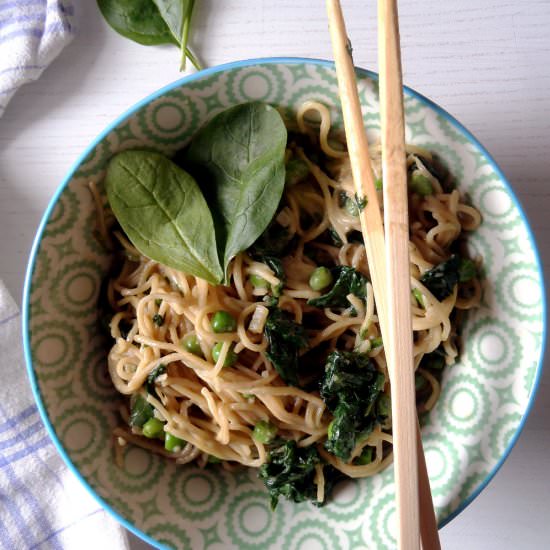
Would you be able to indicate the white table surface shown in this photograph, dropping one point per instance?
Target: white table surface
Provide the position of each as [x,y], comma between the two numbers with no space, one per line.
[486,61]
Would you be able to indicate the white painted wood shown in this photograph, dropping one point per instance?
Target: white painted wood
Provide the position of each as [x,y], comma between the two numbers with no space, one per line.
[487,62]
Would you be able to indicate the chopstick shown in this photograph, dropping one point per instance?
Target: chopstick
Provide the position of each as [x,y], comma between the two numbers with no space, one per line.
[399,348]
[373,235]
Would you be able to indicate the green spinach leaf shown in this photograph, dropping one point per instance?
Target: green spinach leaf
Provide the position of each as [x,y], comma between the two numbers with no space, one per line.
[285,338]
[140,410]
[441,279]
[152,22]
[350,387]
[152,377]
[238,159]
[138,20]
[177,16]
[290,473]
[163,212]
[348,281]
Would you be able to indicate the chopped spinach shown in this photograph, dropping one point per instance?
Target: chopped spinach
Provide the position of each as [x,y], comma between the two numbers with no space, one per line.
[274,241]
[290,473]
[360,202]
[141,410]
[151,379]
[350,387]
[336,240]
[348,281]
[434,360]
[285,338]
[158,319]
[441,279]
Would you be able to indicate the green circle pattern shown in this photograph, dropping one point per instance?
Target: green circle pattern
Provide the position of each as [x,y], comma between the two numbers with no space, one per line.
[94,377]
[64,215]
[154,499]
[84,416]
[132,484]
[474,421]
[205,505]
[303,532]
[66,278]
[495,329]
[507,296]
[245,538]
[172,535]
[55,330]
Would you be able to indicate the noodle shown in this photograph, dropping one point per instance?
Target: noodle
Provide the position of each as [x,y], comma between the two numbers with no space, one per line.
[212,408]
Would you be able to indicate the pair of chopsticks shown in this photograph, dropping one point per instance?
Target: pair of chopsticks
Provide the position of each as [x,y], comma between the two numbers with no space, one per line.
[387,248]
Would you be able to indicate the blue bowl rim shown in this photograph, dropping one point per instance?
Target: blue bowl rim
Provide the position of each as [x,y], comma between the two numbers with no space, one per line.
[198,76]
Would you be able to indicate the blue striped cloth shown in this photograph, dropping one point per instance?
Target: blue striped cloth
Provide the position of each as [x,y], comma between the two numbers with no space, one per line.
[42,504]
[32,33]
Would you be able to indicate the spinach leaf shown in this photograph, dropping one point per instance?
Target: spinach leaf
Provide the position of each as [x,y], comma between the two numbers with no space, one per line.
[348,281]
[177,16]
[163,212]
[141,410]
[441,279]
[238,159]
[434,360]
[285,338]
[350,388]
[152,22]
[138,20]
[151,378]
[274,241]
[290,472]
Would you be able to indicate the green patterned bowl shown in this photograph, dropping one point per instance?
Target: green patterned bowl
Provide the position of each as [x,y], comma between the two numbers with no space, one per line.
[485,398]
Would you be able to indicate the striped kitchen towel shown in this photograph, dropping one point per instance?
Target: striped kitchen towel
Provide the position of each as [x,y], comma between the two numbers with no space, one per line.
[32,33]
[42,504]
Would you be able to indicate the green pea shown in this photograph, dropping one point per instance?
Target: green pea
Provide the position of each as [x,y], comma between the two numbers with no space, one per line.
[222,321]
[153,428]
[172,443]
[421,184]
[257,282]
[230,358]
[419,381]
[320,278]
[264,432]
[191,344]
[365,457]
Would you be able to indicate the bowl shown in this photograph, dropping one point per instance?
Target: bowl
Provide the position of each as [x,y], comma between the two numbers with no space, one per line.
[485,398]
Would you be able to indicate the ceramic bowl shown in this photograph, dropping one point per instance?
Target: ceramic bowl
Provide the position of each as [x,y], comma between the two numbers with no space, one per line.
[485,397]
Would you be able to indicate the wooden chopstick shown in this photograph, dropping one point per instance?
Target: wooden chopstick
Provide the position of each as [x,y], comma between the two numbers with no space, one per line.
[371,224]
[399,347]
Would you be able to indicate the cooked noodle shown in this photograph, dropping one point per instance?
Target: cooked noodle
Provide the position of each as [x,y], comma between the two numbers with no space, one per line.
[214,409]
